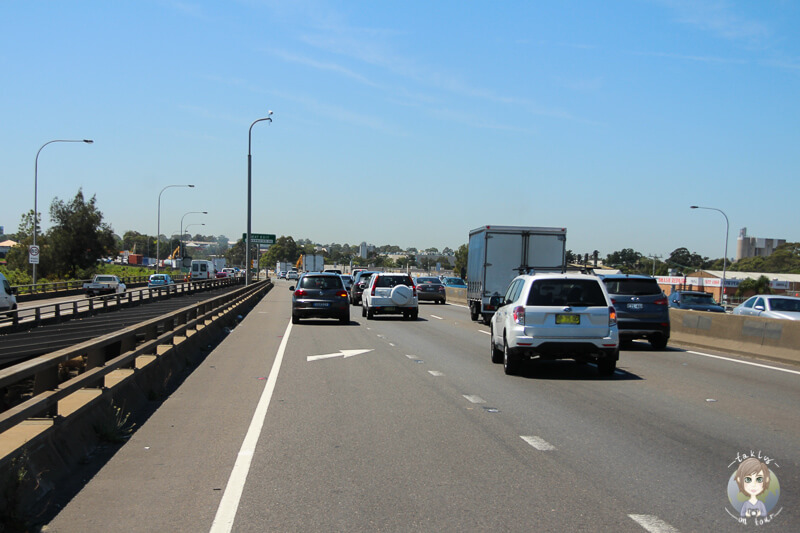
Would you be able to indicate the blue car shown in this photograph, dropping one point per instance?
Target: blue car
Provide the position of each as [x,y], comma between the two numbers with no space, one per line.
[160,280]
[696,300]
[456,283]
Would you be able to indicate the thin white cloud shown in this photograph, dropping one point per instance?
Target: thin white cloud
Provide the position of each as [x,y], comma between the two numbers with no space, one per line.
[719,18]
[702,59]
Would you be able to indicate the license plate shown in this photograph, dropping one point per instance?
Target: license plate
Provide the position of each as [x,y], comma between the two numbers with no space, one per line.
[635,307]
[387,309]
[322,304]
[568,319]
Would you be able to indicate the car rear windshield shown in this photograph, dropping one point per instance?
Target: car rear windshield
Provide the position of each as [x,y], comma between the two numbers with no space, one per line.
[632,287]
[391,281]
[429,280]
[705,299]
[577,292]
[321,282]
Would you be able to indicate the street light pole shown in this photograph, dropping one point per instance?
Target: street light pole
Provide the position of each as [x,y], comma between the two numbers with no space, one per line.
[36,189]
[158,226]
[180,237]
[249,197]
[725,257]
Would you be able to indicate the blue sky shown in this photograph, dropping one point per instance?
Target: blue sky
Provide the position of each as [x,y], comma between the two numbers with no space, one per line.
[411,123]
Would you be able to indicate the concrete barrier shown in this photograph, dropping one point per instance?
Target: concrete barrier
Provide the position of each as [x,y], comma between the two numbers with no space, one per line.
[770,338]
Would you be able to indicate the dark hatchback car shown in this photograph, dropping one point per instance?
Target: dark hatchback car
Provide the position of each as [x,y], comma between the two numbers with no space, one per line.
[430,289]
[320,295]
[695,300]
[360,281]
[642,308]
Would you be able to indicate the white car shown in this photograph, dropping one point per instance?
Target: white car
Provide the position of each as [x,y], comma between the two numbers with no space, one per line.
[390,294]
[292,274]
[555,316]
[770,306]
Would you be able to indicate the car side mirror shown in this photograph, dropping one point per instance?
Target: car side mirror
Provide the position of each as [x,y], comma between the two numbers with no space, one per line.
[291,288]
[758,307]
[14,290]
[496,302]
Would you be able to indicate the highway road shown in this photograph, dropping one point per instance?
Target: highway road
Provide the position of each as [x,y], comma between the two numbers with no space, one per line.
[392,425]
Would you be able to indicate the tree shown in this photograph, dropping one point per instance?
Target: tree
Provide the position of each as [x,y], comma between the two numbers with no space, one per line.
[626,260]
[284,249]
[750,286]
[78,239]
[462,255]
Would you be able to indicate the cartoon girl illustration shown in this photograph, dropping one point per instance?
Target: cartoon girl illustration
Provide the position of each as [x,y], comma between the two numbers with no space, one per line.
[753,478]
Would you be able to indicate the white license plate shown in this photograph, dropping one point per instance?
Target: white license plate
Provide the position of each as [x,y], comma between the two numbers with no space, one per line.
[636,307]
[322,304]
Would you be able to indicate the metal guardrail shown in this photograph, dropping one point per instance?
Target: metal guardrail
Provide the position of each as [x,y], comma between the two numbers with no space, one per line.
[60,311]
[62,286]
[97,358]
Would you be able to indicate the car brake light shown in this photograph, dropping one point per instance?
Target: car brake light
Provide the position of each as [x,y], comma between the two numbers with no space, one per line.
[372,292]
[519,315]
[300,292]
[613,301]
[612,316]
[342,294]
[414,290]
[661,301]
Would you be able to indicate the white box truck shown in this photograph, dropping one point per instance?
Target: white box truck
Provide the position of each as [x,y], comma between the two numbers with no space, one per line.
[313,263]
[497,254]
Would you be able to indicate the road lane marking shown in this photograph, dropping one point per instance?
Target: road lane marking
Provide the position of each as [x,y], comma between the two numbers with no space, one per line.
[411,356]
[653,524]
[341,353]
[434,316]
[435,373]
[483,331]
[538,442]
[474,398]
[744,362]
[226,512]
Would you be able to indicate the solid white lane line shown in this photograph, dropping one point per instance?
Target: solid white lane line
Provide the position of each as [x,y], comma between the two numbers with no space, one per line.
[744,362]
[538,442]
[226,512]
[474,398]
[435,373]
[434,316]
[653,524]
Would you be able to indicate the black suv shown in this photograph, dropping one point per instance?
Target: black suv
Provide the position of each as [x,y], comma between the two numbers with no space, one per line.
[642,308]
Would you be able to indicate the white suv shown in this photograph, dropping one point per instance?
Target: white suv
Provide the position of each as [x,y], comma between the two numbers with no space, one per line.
[555,316]
[390,293]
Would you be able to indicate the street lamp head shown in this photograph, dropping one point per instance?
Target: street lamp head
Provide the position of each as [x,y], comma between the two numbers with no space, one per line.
[269,112]
[694,206]
[204,212]
[88,141]
[190,185]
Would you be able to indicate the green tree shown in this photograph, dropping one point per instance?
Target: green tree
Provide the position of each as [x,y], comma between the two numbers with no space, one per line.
[284,249]
[462,255]
[751,286]
[627,260]
[78,238]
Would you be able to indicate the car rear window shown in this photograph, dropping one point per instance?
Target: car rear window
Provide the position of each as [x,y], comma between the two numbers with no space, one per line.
[698,299]
[428,280]
[577,292]
[391,281]
[321,282]
[632,286]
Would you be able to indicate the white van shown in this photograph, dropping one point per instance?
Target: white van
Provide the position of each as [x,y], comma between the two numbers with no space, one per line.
[202,270]
[8,299]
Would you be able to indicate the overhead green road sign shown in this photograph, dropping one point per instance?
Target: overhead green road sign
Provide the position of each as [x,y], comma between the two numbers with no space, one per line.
[259,238]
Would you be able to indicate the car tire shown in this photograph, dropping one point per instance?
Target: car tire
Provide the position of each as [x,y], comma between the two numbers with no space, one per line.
[295,319]
[345,318]
[510,360]
[606,366]
[497,354]
[363,311]
[658,342]
[370,314]
[473,313]
[415,314]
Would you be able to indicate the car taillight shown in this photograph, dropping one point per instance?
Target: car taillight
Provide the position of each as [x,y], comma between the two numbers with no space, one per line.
[300,292]
[372,292]
[519,315]
[613,301]
[612,316]
[441,288]
[342,294]
[661,301]
[413,290]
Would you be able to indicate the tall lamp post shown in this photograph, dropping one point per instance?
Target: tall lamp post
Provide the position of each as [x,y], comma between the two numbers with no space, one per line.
[247,274]
[725,257]
[180,237]
[36,188]
[158,227]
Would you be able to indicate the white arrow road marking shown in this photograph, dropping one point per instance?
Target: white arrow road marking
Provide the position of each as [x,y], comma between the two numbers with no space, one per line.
[652,523]
[435,373]
[341,353]
[474,398]
[538,442]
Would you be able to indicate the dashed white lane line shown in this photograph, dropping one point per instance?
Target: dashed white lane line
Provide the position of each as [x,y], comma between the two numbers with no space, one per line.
[474,398]
[538,442]
[483,331]
[744,362]
[653,524]
[437,317]
[411,356]
[435,373]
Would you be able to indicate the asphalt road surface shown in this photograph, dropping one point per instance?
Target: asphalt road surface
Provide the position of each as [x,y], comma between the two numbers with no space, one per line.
[394,425]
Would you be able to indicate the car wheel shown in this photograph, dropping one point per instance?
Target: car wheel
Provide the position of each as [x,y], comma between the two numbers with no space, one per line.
[510,360]
[363,311]
[473,312]
[370,314]
[658,342]
[415,314]
[497,354]
[295,319]
[345,318]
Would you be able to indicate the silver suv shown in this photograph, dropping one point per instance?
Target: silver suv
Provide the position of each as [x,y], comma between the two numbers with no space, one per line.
[390,293]
[555,316]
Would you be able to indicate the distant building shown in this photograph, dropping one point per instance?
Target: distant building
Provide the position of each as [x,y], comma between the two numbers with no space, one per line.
[755,246]
[364,249]
[5,246]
